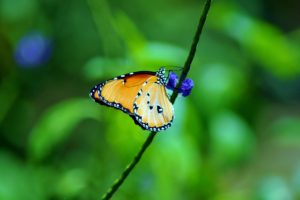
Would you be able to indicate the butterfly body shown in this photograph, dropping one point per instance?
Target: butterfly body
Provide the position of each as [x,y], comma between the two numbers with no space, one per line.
[142,95]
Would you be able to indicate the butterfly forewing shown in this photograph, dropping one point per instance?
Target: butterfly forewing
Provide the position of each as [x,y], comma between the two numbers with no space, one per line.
[121,91]
[152,108]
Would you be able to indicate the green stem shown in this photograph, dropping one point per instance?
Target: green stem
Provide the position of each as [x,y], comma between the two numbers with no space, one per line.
[129,168]
[150,138]
[189,60]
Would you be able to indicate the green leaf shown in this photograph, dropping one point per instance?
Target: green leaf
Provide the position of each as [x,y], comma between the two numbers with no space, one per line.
[17,10]
[57,124]
[221,86]
[232,140]
[18,181]
[274,188]
[158,54]
[264,43]
[98,67]
[145,53]
[286,131]
[8,94]
[71,183]
[127,30]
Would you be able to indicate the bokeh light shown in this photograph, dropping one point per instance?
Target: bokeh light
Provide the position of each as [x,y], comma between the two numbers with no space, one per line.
[33,49]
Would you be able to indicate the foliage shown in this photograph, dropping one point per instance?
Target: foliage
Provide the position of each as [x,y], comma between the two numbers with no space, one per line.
[237,136]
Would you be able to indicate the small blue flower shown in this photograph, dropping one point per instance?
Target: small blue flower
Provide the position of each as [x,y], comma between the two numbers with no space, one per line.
[173,78]
[186,87]
[33,50]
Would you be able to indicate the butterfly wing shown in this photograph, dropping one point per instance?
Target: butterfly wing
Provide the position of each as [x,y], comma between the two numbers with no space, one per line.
[121,91]
[152,108]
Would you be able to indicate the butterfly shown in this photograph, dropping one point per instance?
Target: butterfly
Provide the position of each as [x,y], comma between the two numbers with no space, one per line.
[142,95]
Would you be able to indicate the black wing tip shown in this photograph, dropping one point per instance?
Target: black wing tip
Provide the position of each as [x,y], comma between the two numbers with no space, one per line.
[96,88]
[92,91]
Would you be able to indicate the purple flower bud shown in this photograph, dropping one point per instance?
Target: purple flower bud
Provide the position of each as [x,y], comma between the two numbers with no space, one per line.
[33,50]
[172,81]
[186,87]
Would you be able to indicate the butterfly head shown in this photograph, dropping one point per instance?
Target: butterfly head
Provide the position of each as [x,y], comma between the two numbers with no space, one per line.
[162,79]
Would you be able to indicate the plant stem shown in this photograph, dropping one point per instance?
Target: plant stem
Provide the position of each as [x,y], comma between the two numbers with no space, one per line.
[188,62]
[150,138]
[129,168]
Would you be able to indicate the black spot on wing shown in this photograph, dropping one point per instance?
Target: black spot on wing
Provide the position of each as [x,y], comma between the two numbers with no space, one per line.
[159,109]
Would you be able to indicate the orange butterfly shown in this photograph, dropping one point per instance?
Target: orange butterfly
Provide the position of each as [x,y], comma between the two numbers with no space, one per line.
[142,95]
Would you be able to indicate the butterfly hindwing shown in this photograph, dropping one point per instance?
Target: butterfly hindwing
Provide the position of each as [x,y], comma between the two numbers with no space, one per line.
[152,108]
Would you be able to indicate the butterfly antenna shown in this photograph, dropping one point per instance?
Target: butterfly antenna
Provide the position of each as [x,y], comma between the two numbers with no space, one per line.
[174,68]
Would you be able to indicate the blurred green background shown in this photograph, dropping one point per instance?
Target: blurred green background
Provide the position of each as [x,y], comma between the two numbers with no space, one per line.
[237,136]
